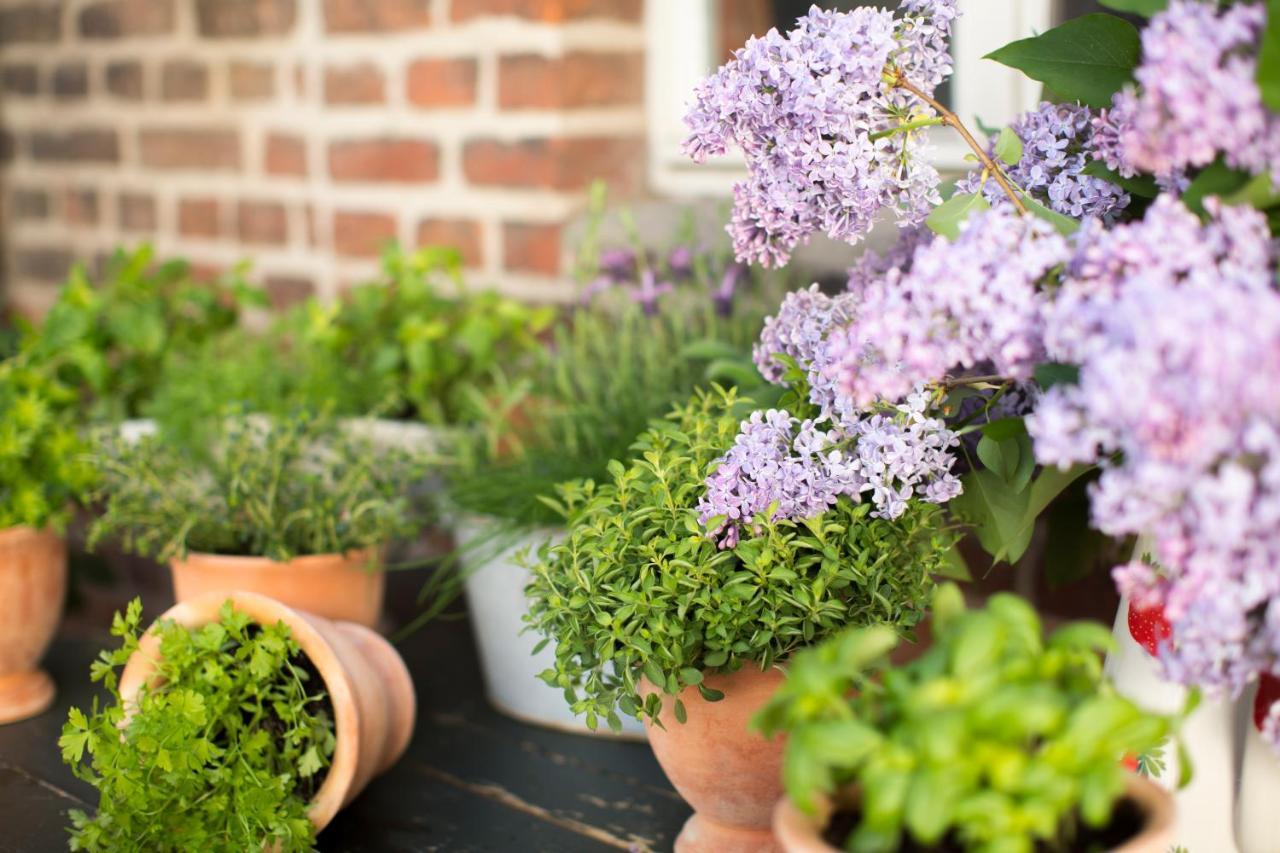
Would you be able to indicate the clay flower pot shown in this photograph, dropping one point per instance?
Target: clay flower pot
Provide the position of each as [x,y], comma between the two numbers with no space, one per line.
[730,774]
[346,586]
[33,582]
[802,833]
[372,694]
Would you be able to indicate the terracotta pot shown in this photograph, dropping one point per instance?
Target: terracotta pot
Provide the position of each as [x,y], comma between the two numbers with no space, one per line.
[372,694]
[802,833]
[346,586]
[729,774]
[33,583]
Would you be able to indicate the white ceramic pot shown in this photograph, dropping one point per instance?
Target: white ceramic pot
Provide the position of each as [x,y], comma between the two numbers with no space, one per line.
[1257,818]
[1204,821]
[495,597]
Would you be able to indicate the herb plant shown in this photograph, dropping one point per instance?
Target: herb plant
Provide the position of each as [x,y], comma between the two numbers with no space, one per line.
[110,341]
[996,739]
[222,752]
[277,488]
[639,590]
[42,466]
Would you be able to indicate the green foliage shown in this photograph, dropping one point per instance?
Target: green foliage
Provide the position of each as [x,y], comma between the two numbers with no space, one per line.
[995,739]
[221,753]
[413,344]
[41,454]
[1003,505]
[277,488]
[1269,58]
[1146,8]
[638,590]
[1143,186]
[946,218]
[110,341]
[1087,59]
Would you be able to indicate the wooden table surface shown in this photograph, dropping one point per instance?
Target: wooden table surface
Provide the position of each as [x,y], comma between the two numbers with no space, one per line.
[472,780]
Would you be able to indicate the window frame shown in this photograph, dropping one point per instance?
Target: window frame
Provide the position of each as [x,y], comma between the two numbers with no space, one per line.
[680,39]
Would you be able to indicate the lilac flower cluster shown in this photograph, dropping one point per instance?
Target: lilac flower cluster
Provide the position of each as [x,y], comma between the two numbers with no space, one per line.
[1197,96]
[975,300]
[804,107]
[1056,145]
[801,468]
[1178,350]
[646,279]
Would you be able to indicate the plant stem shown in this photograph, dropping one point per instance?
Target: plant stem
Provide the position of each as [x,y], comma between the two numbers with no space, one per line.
[914,124]
[950,118]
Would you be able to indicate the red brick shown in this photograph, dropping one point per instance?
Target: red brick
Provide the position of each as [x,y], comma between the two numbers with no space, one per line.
[531,248]
[262,223]
[184,80]
[251,81]
[30,22]
[80,207]
[561,164]
[70,80]
[115,19]
[136,212]
[85,145]
[206,149]
[362,234]
[460,234]
[199,217]
[287,290]
[407,161]
[551,11]
[375,16]
[354,84]
[442,83]
[286,155]
[124,79]
[245,18]
[580,79]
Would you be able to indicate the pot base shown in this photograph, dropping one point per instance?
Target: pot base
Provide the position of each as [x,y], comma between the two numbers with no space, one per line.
[24,695]
[704,836]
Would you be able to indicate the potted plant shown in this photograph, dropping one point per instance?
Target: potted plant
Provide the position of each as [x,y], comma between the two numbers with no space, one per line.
[41,471]
[997,738]
[616,363]
[664,606]
[234,723]
[292,508]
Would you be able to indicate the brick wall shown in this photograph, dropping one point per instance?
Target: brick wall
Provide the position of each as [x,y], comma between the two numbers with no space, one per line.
[305,133]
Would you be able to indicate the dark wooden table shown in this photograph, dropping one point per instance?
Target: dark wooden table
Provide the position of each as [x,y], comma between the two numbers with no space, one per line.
[472,780]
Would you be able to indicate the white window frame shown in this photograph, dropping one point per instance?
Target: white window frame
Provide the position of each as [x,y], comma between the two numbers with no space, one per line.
[680,35]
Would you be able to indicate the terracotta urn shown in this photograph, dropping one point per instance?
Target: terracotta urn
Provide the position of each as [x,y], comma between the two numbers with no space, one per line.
[728,773]
[33,583]
[368,684]
[348,586]
[798,832]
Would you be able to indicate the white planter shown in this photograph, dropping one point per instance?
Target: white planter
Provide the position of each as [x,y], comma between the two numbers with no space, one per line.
[496,600]
[1257,815]
[1205,805]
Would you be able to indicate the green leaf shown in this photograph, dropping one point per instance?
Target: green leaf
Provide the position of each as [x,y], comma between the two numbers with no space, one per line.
[997,513]
[1146,8]
[1260,192]
[682,716]
[1216,179]
[1048,485]
[690,676]
[1087,59]
[1065,225]
[1269,58]
[1009,147]
[947,217]
[1143,186]
[1051,373]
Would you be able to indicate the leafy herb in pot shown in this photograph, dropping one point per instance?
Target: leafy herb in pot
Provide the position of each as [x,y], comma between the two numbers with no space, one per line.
[996,739]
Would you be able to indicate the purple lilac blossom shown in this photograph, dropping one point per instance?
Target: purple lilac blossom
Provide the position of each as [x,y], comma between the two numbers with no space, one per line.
[964,302]
[803,107]
[1056,140]
[1197,96]
[1175,327]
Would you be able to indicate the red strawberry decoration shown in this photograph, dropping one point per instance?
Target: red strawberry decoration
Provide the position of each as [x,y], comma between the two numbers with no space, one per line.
[1148,627]
[1129,762]
[1268,695]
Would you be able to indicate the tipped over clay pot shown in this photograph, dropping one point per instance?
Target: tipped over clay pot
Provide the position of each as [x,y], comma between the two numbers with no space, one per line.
[803,833]
[729,774]
[374,706]
[349,586]
[33,583]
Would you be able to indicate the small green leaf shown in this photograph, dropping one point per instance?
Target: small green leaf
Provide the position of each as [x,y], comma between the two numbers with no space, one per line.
[1051,373]
[690,676]
[682,716]
[1143,186]
[1009,147]
[1087,59]
[1065,225]
[1269,58]
[947,218]
[1216,179]
[1146,8]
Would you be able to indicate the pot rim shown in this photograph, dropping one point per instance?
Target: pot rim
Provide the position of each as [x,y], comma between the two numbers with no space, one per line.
[263,609]
[792,826]
[304,562]
[17,532]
